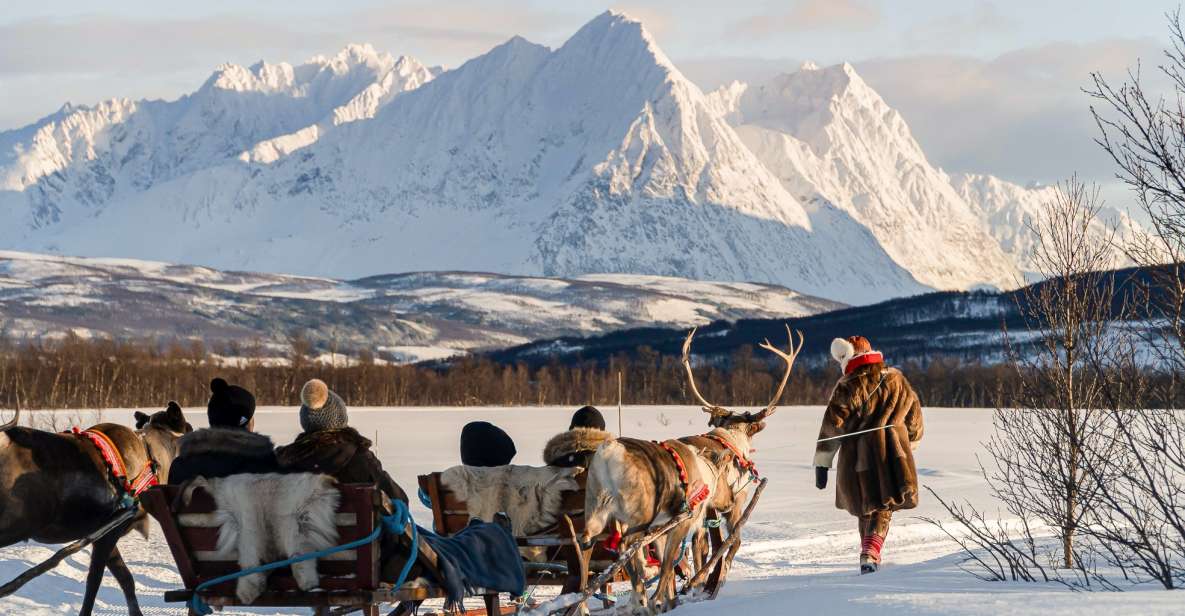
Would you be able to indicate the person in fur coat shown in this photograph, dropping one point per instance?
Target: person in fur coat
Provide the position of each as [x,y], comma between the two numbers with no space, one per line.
[575,447]
[875,472]
[229,446]
[329,446]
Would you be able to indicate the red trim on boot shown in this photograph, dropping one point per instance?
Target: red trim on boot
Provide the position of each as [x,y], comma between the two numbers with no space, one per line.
[871,547]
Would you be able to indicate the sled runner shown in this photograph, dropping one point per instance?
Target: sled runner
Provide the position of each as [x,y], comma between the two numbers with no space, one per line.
[561,565]
[349,580]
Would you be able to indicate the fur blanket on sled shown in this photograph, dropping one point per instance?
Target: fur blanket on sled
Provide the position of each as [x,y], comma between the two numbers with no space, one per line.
[270,517]
[531,496]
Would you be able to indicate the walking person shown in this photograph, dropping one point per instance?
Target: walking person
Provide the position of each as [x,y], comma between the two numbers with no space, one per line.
[874,422]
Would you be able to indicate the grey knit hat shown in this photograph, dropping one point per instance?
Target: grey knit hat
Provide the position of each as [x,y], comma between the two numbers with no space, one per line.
[320,408]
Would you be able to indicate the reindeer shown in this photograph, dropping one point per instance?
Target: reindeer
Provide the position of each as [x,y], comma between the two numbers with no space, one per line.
[639,484]
[729,443]
[56,488]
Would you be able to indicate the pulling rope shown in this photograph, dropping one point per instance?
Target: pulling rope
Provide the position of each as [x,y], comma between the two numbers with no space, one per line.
[394,524]
[836,438]
[121,518]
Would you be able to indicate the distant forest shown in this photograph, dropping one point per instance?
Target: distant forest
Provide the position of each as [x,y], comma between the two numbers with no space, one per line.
[77,373]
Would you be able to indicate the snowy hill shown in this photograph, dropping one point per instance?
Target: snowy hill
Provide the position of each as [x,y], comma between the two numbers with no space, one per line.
[404,317]
[595,157]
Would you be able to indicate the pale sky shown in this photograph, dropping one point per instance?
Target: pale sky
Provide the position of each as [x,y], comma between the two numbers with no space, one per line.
[989,87]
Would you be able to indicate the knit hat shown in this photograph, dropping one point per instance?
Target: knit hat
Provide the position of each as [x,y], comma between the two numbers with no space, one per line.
[320,408]
[853,352]
[587,417]
[484,444]
[230,406]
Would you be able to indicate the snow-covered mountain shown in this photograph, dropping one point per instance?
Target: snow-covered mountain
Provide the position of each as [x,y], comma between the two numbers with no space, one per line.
[595,157]
[398,317]
[828,136]
[1009,211]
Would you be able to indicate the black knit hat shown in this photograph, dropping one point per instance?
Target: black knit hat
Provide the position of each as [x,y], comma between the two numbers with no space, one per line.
[230,406]
[484,444]
[587,417]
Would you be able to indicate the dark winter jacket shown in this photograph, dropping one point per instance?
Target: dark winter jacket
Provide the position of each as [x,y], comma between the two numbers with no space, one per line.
[875,471]
[342,453]
[219,452]
[574,447]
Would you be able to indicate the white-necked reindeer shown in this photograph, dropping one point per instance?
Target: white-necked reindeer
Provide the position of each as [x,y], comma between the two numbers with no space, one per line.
[642,484]
[729,444]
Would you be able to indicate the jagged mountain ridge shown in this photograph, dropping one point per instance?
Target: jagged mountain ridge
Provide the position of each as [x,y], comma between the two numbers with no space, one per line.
[598,156]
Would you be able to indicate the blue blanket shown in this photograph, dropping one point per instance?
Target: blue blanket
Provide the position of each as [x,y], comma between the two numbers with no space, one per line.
[480,556]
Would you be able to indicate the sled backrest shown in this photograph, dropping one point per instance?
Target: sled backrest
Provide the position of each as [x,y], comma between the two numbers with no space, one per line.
[450,514]
[192,535]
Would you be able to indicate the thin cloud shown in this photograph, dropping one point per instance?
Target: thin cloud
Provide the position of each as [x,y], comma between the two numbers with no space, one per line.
[812,15]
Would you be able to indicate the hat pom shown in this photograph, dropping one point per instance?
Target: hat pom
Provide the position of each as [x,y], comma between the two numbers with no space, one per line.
[218,385]
[314,394]
[842,350]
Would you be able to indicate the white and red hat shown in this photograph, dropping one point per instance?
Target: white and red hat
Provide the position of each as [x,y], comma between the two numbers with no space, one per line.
[853,352]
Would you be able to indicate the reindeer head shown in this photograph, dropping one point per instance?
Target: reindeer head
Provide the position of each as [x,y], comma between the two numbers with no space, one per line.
[162,432]
[746,423]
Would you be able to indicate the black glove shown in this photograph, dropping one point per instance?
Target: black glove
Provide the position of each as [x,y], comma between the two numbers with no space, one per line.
[821,477]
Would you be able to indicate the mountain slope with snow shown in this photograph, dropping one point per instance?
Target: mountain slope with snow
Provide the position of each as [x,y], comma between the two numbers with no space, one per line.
[595,157]
[1010,211]
[398,317]
[828,136]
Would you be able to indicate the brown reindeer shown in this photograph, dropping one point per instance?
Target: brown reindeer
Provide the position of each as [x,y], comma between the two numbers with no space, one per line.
[639,484]
[56,488]
[729,444]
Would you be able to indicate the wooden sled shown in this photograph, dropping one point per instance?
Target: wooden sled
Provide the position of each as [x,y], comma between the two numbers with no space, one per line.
[562,565]
[349,580]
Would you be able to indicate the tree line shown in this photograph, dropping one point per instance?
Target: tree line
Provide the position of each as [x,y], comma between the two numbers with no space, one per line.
[83,373]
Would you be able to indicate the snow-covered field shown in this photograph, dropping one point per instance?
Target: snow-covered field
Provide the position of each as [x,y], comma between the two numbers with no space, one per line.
[799,556]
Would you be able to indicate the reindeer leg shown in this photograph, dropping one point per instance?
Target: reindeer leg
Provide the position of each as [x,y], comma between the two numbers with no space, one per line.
[127,584]
[100,553]
[636,568]
[664,597]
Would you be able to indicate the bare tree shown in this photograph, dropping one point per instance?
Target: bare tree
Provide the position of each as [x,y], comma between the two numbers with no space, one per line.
[1041,430]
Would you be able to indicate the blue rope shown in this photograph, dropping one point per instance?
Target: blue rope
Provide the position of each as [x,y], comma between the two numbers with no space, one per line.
[394,524]
[424,500]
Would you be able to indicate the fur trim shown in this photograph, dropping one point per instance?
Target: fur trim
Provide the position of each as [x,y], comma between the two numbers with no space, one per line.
[263,518]
[576,440]
[842,351]
[314,394]
[533,497]
[226,440]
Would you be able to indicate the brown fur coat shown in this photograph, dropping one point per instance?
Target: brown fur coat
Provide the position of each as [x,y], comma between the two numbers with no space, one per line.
[343,454]
[574,447]
[876,470]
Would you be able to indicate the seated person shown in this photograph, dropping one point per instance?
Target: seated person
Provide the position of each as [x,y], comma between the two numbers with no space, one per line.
[484,444]
[329,445]
[576,447]
[229,446]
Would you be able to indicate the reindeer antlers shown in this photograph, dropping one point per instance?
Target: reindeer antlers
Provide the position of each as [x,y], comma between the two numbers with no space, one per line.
[707,406]
[788,358]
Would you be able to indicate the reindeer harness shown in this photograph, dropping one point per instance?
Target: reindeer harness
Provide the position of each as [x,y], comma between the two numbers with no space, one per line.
[129,489]
[693,494]
[743,463]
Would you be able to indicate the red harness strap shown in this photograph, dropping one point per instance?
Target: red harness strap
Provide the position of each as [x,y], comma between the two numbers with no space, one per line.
[144,480]
[743,463]
[694,495]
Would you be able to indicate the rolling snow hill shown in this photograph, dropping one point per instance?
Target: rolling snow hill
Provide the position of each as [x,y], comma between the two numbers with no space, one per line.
[400,318]
[595,157]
